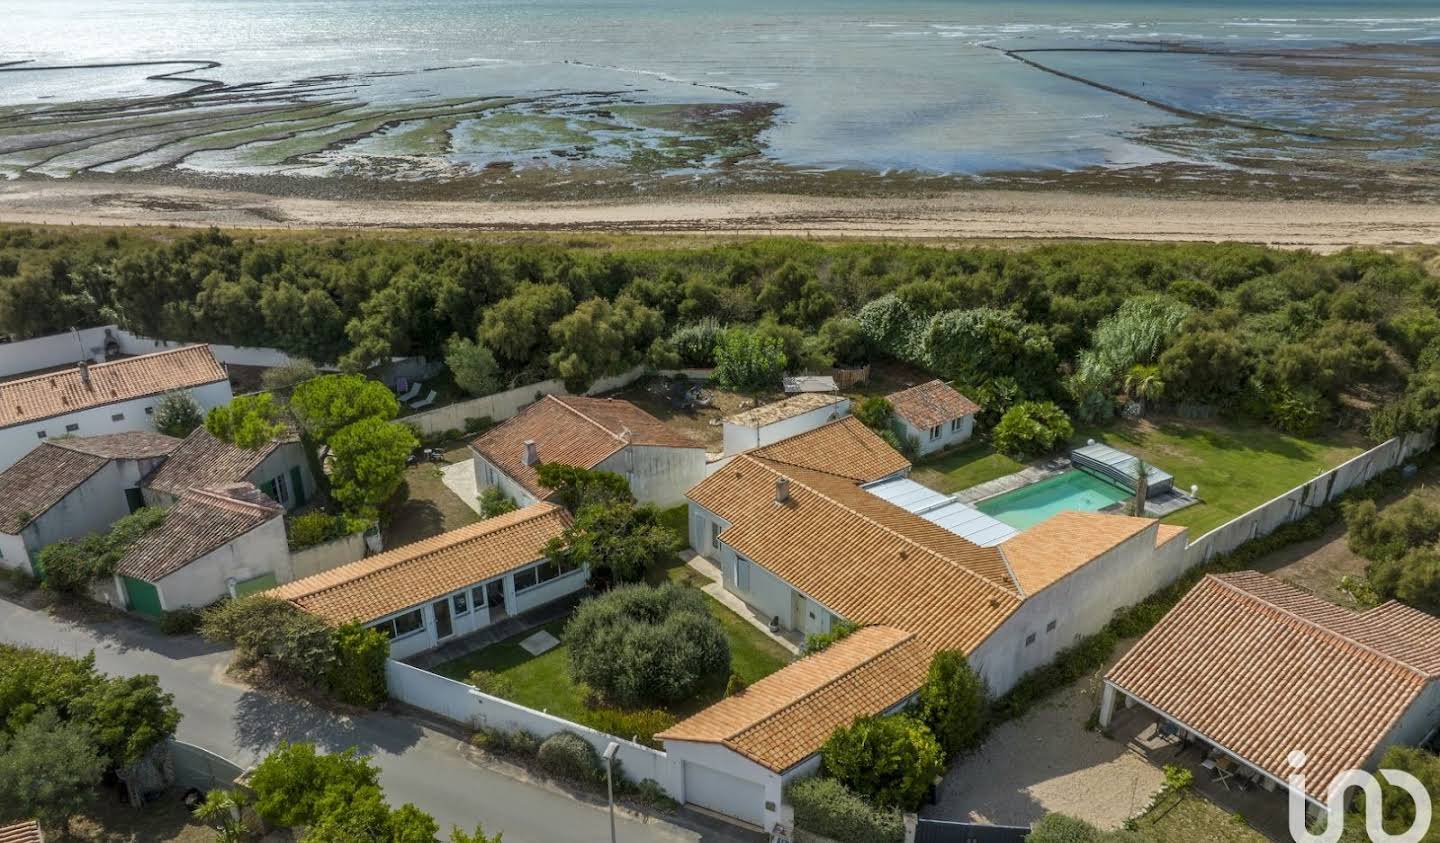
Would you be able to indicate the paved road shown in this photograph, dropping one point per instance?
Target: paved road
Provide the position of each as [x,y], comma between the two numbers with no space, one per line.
[417,763]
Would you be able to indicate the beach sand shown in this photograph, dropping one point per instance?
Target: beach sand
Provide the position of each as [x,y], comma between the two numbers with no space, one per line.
[979,214]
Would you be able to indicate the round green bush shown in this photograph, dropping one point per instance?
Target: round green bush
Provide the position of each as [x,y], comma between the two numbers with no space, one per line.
[568,756]
[1032,428]
[639,646]
[890,760]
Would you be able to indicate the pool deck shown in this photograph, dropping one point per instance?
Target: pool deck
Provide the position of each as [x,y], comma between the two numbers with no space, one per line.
[1034,473]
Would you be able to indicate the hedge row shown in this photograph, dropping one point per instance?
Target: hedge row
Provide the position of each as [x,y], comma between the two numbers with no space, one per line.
[823,806]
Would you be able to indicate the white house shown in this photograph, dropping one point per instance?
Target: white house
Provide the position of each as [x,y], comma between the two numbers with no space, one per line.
[1259,669]
[811,530]
[71,487]
[933,416]
[435,590]
[92,399]
[595,433]
[279,468]
[782,419]
[214,542]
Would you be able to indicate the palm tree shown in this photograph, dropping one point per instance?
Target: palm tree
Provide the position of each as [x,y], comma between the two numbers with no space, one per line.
[1142,489]
[1144,383]
[222,808]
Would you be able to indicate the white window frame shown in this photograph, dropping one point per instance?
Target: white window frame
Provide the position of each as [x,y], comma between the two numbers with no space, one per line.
[455,604]
[389,623]
[282,489]
[935,432]
[955,424]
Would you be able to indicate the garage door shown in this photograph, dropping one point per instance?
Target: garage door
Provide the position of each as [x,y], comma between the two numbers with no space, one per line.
[724,793]
[142,597]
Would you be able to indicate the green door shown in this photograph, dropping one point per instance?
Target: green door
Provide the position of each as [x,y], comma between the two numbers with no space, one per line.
[142,597]
[297,487]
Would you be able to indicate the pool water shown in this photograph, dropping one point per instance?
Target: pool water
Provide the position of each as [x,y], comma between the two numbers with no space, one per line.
[1075,489]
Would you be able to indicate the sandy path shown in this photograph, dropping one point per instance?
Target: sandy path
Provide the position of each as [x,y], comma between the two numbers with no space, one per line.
[968,214]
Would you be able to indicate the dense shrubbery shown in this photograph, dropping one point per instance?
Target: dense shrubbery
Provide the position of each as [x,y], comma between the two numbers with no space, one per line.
[566,755]
[494,502]
[638,646]
[973,315]
[637,724]
[817,641]
[1402,544]
[824,807]
[952,702]
[889,759]
[1032,429]
[314,528]
[70,566]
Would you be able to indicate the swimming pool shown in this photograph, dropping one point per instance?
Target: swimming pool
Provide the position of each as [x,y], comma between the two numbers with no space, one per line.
[1075,489]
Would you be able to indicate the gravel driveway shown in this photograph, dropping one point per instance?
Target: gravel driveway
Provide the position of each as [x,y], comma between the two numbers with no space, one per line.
[1046,761]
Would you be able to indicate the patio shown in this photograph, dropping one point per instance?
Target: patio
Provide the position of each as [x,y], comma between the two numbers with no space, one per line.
[1226,783]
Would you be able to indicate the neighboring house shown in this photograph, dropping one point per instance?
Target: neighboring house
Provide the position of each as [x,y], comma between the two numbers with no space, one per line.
[782,419]
[596,433]
[22,832]
[815,529]
[429,592]
[1261,669]
[100,398]
[71,487]
[227,540]
[279,469]
[933,416]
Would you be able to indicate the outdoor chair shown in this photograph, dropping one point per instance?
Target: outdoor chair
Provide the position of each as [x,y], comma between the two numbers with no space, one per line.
[427,401]
[409,395]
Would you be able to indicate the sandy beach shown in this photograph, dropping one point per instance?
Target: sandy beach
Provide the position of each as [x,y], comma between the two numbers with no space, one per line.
[956,215]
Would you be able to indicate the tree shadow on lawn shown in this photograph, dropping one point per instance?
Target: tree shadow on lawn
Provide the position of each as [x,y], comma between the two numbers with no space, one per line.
[263,720]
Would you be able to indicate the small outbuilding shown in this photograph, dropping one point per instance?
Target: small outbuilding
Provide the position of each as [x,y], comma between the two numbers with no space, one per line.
[933,415]
[278,468]
[782,419]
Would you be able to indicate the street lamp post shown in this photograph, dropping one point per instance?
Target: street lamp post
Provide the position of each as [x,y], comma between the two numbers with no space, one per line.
[610,752]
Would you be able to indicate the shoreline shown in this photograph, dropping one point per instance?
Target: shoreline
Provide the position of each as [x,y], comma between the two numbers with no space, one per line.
[954,215]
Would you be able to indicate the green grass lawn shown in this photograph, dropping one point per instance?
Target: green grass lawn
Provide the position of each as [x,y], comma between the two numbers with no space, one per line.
[1238,466]
[969,465]
[677,520]
[1194,819]
[543,682]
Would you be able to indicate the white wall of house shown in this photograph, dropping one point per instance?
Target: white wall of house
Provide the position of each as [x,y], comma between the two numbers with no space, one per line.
[743,437]
[704,527]
[546,592]
[1077,605]
[952,433]
[261,551]
[279,464]
[18,440]
[656,474]
[1416,724]
[488,474]
[89,508]
[755,782]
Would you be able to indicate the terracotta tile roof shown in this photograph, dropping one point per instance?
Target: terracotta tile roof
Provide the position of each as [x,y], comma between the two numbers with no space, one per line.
[846,448]
[784,718]
[880,565]
[59,393]
[39,480]
[202,461]
[1165,532]
[571,430]
[795,405]
[130,445]
[1263,669]
[43,477]
[410,575]
[930,404]
[25,832]
[1065,542]
[202,521]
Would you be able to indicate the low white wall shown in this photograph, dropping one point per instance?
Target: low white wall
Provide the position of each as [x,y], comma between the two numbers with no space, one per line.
[502,405]
[323,557]
[238,355]
[464,704]
[1303,499]
[54,350]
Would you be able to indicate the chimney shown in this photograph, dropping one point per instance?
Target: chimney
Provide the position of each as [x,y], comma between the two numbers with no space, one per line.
[532,452]
[85,372]
[782,489]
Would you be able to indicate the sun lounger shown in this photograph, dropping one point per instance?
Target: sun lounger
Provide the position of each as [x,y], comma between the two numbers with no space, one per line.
[407,397]
[429,399]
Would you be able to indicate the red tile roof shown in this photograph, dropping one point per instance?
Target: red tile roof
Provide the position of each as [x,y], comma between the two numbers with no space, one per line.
[203,460]
[782,719]
[1264,669]
[410,575]
[572,430]
[23,832]
[42,478]
[1066,542]
[845,448]
[930,404]
[58,393]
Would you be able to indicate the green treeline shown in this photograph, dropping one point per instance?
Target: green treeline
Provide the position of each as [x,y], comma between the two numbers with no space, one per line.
[1291,337]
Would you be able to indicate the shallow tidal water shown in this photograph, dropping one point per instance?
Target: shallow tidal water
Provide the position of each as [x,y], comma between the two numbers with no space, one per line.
[625,91]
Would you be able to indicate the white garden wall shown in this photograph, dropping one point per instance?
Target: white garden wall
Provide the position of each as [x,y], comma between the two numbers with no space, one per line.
[499,406]
[464,704]
[323,557]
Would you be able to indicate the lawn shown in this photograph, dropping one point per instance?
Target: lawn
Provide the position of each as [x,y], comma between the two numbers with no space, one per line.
[971,464]
[542,682]
[425,506]
[1194,819]
[1237,466]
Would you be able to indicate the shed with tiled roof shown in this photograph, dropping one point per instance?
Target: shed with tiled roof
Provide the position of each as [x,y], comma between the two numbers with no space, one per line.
[279,468]
[606,434]
[1260,670]
[934,415]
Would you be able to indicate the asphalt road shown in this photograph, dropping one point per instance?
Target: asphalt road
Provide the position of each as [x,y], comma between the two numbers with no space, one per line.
[418,764]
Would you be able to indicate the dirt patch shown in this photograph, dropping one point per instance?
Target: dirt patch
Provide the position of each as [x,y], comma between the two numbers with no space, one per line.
[425,506]
[702,421]
[1318,566]
[111,820]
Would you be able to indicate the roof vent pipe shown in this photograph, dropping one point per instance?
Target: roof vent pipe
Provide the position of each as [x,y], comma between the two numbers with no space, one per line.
[532,452]
[782,489]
